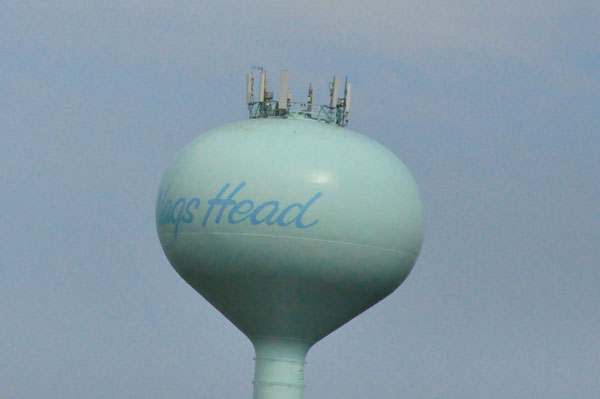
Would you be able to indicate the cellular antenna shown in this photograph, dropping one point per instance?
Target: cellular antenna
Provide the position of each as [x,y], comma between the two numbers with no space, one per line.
[249,88]
[336,111]
[261,87]
[347,97]
[282,104]
[311,98]
[267,95]
[347,93]
[334,91]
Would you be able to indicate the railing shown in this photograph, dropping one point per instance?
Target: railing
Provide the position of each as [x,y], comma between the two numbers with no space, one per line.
[323,113]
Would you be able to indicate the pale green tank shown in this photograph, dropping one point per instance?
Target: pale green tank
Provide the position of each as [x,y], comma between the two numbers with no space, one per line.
[290,227]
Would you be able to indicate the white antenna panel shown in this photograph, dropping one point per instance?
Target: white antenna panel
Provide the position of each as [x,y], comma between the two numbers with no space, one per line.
[261,93]
[283,90]
[348,96]
[249,88]
[334,91]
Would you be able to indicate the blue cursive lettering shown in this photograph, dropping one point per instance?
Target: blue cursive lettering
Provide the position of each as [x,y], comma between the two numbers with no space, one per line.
[182,210]
[268,219]
[238,209]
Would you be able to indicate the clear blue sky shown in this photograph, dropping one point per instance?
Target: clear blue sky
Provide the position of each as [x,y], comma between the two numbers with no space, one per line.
[493,106]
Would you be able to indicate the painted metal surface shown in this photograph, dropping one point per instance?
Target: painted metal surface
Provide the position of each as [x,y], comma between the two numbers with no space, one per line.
[290,228]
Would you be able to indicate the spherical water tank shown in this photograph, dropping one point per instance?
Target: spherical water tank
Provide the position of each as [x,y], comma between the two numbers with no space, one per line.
[290,228]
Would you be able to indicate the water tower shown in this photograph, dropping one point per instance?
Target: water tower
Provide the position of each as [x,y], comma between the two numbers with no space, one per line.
[289,224]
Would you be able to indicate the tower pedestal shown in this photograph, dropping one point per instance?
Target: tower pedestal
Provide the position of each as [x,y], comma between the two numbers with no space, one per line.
[279,368]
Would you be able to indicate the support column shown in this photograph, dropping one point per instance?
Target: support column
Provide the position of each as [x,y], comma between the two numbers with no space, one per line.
[279,368]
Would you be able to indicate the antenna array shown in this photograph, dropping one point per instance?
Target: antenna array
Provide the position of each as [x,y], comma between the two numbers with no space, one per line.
[337,111]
